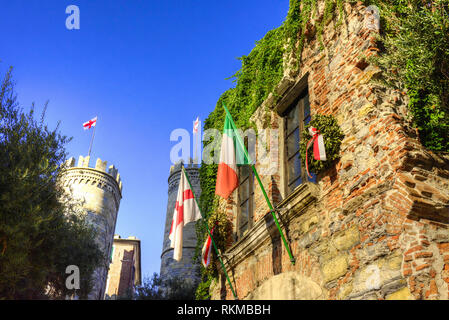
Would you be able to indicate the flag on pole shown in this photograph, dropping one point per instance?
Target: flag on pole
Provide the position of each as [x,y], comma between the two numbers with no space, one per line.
[227,179]
[207,248]
[186,210]
[195,125]
[89,124]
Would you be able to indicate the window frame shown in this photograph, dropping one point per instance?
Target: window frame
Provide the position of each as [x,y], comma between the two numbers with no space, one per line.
[250,199]
[299,104]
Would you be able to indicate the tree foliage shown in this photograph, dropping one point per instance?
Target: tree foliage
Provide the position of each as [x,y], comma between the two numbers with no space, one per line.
[415,58]
[39,234]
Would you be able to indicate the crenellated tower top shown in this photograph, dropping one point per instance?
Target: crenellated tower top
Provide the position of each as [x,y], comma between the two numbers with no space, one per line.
[97,191]
[100,175]
[177,166]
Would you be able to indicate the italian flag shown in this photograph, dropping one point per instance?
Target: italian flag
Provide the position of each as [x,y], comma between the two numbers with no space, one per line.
[207,248]
[227,179]
[186,210]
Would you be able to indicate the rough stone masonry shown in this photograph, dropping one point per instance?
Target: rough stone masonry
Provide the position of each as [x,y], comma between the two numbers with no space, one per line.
[375,225]
[95,192]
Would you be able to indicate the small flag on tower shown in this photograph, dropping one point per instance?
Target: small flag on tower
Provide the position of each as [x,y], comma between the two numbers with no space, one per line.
[89,124]
[186,210]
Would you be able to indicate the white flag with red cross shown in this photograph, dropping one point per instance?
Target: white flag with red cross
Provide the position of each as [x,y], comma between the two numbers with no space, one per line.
[89,124]
[186,210]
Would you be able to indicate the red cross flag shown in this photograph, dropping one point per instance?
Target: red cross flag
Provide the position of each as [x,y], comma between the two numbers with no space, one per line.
[186,210]
[89,124]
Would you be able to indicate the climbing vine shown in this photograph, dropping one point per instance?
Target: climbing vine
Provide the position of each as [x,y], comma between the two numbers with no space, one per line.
[414,57]
[261,70]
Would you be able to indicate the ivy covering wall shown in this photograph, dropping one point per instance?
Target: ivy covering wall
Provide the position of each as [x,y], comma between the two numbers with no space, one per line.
[414,58]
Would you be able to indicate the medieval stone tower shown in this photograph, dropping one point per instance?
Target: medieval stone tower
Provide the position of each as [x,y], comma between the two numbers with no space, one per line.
[184,268]
[97,192]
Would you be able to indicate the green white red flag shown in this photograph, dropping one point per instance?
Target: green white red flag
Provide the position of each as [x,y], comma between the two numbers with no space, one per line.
[186,210]
[319,151]
[227,178]
[207,248]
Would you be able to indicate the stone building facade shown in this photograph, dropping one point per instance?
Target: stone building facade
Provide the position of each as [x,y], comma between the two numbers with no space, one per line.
[375,225]
[125,271]
[184,268]
[95,192]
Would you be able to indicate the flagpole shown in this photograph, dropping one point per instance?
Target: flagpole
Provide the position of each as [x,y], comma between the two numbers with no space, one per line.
[210,234]
[195,147]
[92,139]
[242,145]
[195,141]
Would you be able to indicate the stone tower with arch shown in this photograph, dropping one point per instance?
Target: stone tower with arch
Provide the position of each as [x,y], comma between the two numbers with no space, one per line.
[97,193]
[185,268]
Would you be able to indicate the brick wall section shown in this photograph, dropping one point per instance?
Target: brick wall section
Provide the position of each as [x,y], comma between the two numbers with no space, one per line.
[380,226]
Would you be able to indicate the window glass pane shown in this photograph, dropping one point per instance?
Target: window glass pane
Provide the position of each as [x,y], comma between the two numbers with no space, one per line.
[294,184]
[244,171]
[306,106]
[243,217]
[307,119]
[243,228]
[292,120]
[296,118]
[294,168]
[244,190]
[293,143]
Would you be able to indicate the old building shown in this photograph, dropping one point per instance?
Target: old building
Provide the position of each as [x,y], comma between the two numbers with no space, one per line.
[125,271]
[96,192]
[375,225]
[185,268]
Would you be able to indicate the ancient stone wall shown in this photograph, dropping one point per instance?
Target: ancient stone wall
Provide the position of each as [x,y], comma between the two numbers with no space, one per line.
[96,193]
[375,225]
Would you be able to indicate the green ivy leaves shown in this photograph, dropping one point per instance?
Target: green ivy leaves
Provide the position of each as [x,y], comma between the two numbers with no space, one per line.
[332,136]
[416,58]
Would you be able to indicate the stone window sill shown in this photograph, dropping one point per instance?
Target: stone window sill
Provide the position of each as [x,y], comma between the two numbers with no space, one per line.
[292,206]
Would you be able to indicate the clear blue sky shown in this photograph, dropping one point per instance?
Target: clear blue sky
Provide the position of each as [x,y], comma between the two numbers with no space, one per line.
[145,68]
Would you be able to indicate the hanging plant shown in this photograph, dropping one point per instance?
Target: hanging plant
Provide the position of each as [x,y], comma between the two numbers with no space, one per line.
[332,136]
